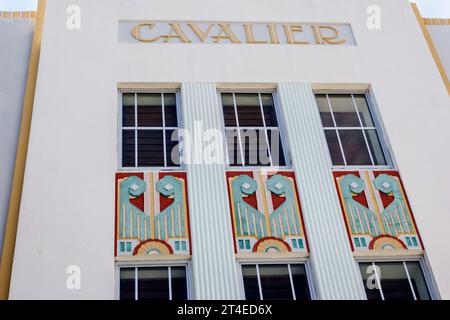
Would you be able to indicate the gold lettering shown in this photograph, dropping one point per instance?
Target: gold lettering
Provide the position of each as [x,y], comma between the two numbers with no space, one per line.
[199,33]
[225,33]
[273,34]
[250,36]
[321,39]
[176,33]
[289,30]
[136,32]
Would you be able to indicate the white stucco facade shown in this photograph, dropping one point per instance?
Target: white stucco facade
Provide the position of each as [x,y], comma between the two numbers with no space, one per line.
[67,209]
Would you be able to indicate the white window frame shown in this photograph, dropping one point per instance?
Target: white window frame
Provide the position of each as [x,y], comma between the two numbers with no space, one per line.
[156,264]
[377,127]
[289,262]
[164,128]
[402,259]
[282,133]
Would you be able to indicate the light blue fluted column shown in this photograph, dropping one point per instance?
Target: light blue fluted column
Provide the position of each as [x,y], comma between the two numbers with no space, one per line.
[335,273]
[213,261]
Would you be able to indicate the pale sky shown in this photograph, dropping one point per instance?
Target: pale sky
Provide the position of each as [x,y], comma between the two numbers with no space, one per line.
[428,8]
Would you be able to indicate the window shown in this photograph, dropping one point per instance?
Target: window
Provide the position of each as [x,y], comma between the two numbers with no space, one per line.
[252,130]
[394,280]
[350,130]
[276,282]
[149,130]
[153,283]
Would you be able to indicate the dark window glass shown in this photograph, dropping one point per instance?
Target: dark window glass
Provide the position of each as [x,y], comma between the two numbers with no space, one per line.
[127,284]
[251,286]
[275,282]
[172,148]
[234,151]
[355,148]
[170,110]
[229,113]
[249,110]
[394,281]
[418,281]
[153,284]
[270,115]
[128,112]
[334,147]
[255,148]
[276,147]
[324,110]
[179,283]
[375,147]
[149,109]
[363,110]
[369,281]
[150,148]
[300,280]
[128,148]
[344,110]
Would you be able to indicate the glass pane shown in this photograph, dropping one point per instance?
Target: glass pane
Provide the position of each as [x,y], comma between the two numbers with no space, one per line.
[344,110]
[150,148]
[229,114]
[234,150]
[375,147]
[249,110]
[270,115]
[334,148]
[170,110]
[128,114]
[369,281]
[250,283]
[153,284]
[355,148]
[363,110]
[128,148]
[394,281]
[179,283]
[324,109]
[300,280]
[172,148]
[127,284]
[275,282]
[149,110]
[276,147]
[418,281]
[255,147]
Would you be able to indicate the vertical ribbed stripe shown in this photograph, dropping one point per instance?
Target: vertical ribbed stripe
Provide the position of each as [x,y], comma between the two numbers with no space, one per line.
[213,261]
[336,274]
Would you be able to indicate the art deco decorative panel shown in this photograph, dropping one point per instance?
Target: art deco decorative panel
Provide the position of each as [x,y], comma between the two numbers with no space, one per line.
[266,213]
[376,211]
[151,214]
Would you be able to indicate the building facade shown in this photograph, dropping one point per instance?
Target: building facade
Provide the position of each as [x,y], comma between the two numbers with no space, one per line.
[231,150]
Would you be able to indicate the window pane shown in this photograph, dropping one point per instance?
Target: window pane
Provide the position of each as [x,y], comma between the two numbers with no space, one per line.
[150,148]
[363,110]
[179,284]
[250,283]
[275,282]
[418,281]
[334,148]
[344,110]
[172,148]
[355,148]
[249,110]
[127,284]
[234,151]
[276,147]
[149,110]
[255,148]
[228,110]
[128,114]
[300,280]
[153,284]
[170,110]
[128,148]
[375,147]
[270,115]
[324,109]
[369,281]
[394,281]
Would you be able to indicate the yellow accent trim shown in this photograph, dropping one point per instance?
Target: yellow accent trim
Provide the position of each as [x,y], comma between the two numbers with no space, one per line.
[21,156]
[264,201]
[17,14]
[272,255]
[364,254]
[436,22]
[431,46]
[156,257]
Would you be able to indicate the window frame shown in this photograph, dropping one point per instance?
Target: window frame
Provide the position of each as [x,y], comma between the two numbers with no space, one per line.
[257,262]
[281,129]
[378,127]
[426,271]
[155,264]
[121,128]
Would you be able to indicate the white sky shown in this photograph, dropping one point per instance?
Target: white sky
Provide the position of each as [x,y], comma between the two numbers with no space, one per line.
[428,8]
